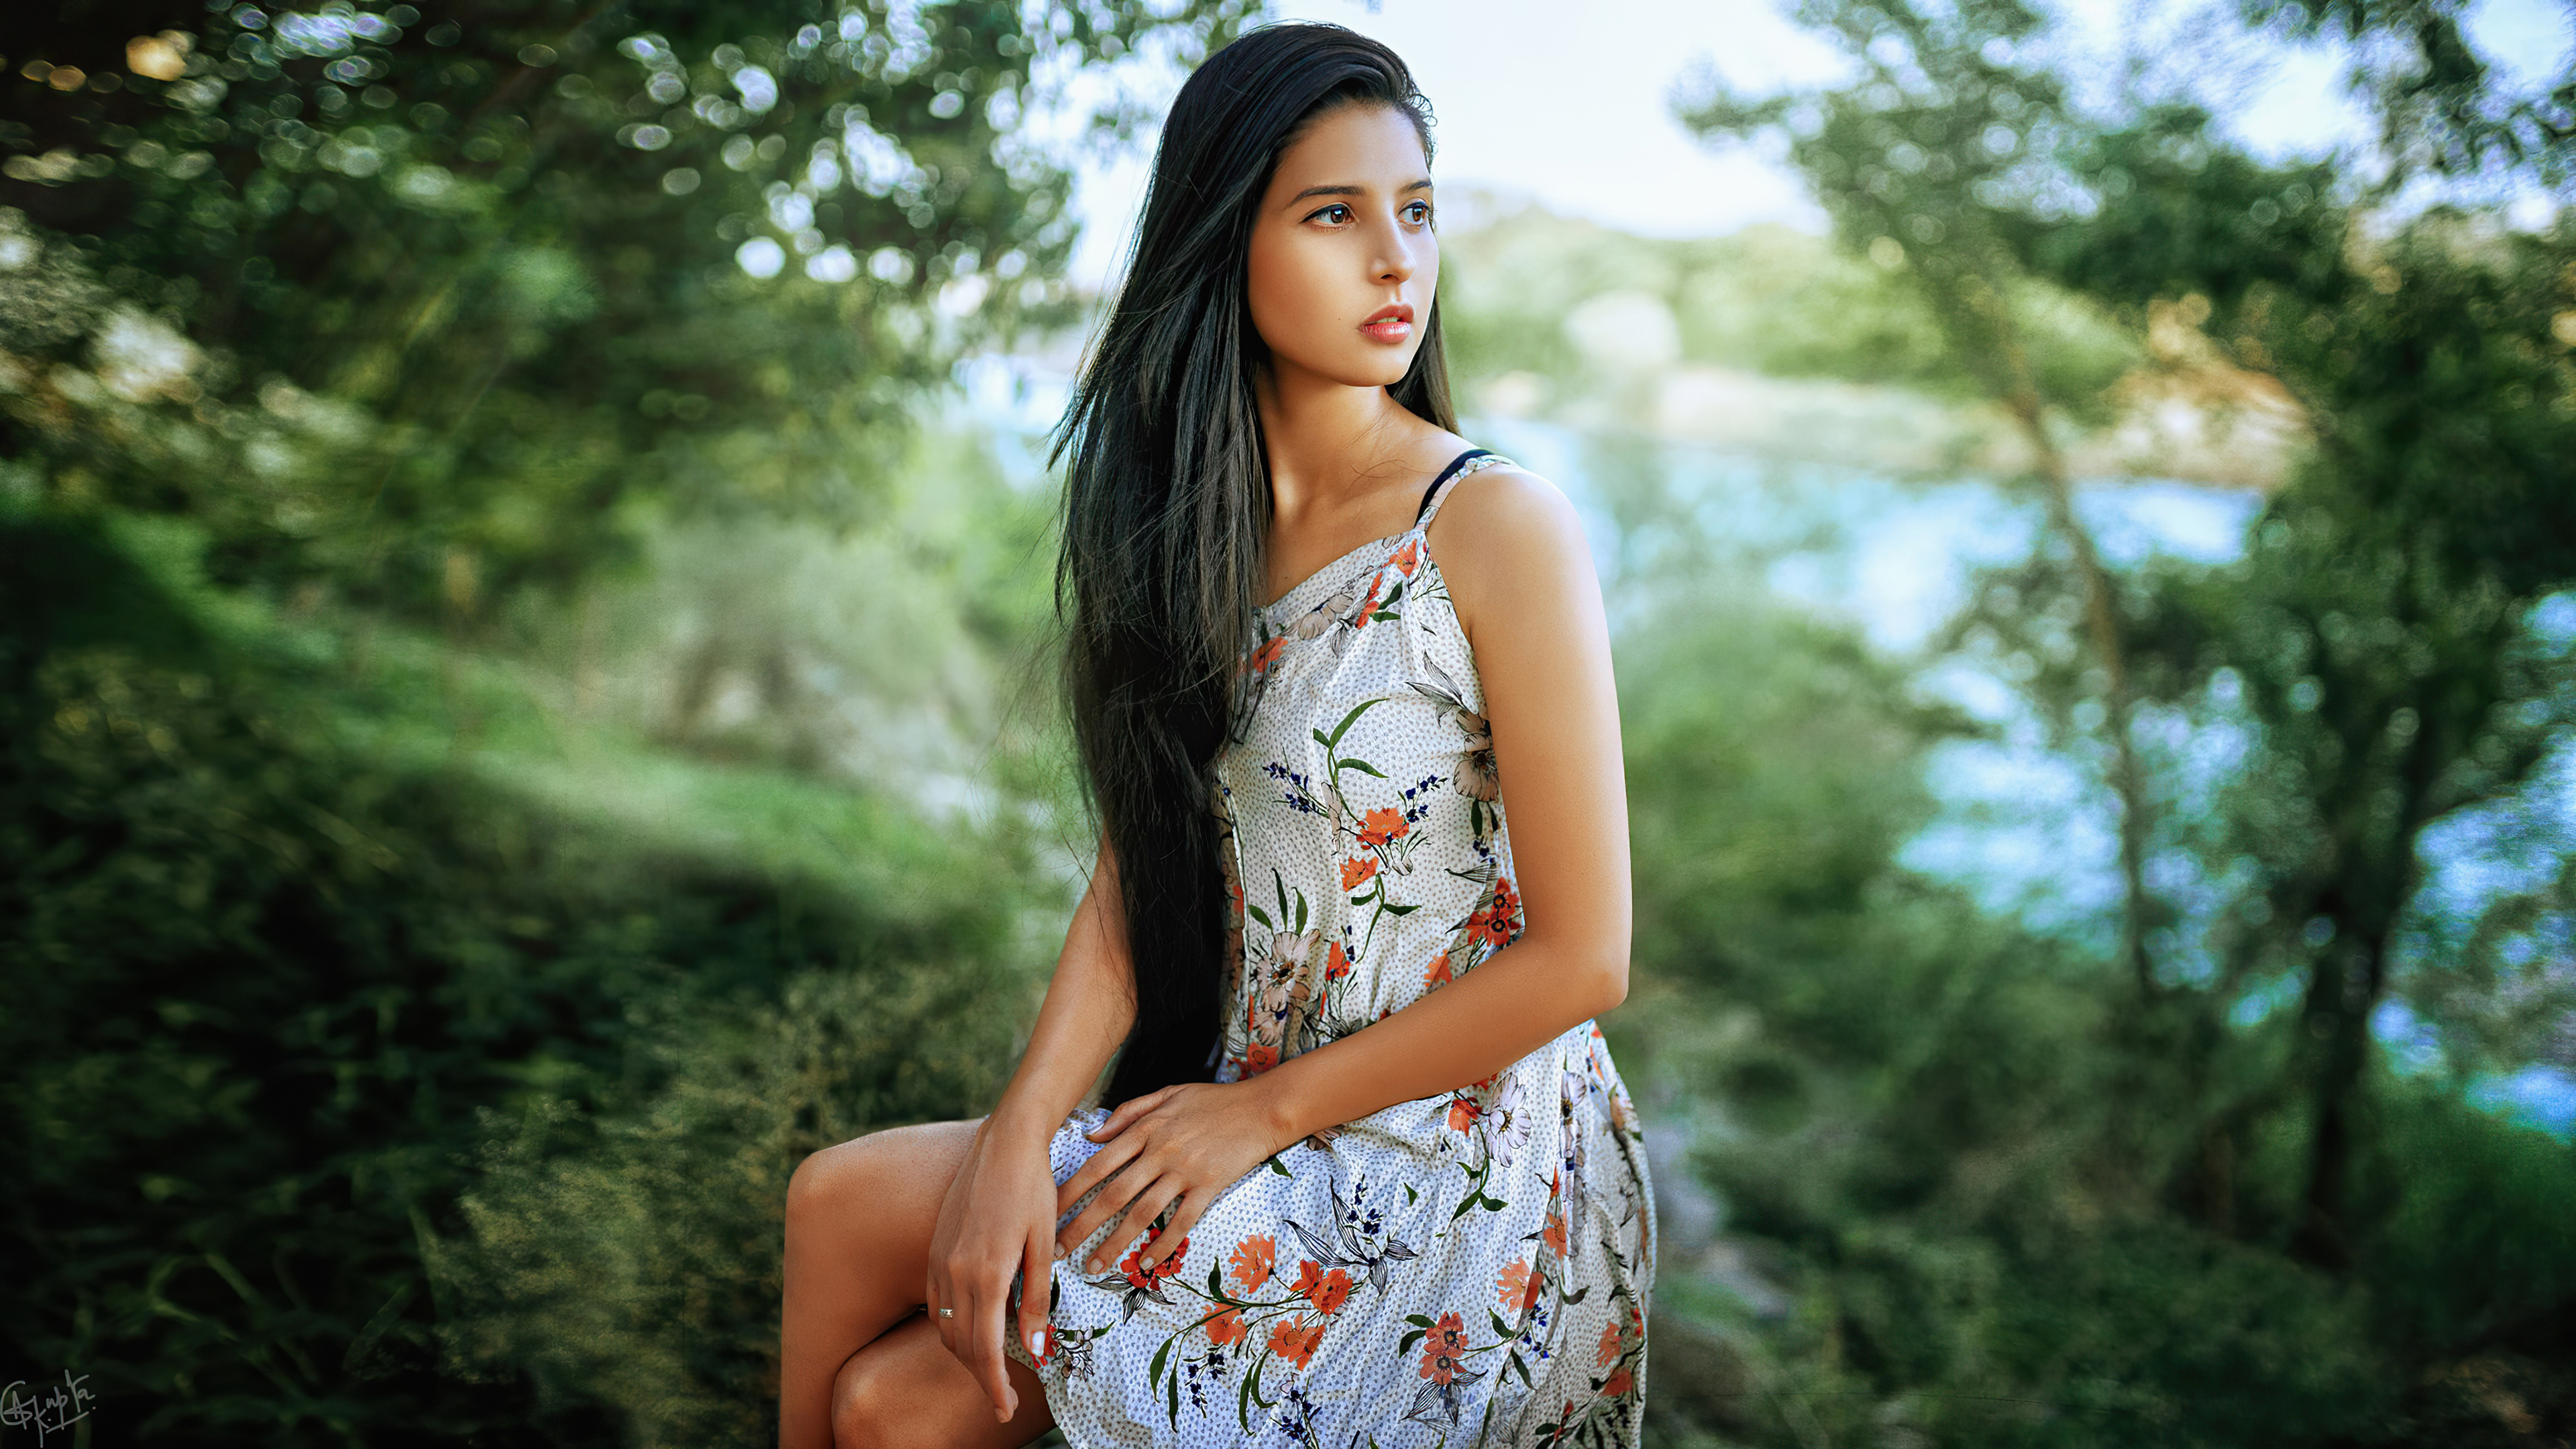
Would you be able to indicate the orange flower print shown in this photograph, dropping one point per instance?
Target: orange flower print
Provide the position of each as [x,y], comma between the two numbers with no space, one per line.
[1260,1057]
[1335,1291]
[1619,1383]
[1252,1260]
[1357,871]
[1554,1233]
[1133,1269]
[1609,1351]
[1382,825]
[1520,1288]
[1325,1290]
[1462,1114]
[1296,1342]
[1267,655]
[1227,1327]
[1337,963]
[1409,557]
[1440,1351]
[1368,605]
[1437,973]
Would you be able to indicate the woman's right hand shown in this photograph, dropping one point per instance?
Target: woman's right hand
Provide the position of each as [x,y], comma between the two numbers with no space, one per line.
[998,1218]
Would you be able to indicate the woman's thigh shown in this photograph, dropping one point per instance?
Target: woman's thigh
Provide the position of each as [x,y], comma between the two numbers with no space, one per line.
[860,1215]
[859,1221]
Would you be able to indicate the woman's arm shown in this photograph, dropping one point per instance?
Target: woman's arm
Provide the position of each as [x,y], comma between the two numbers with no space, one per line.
[1090,1006]
[1000,1213]
[1517,569]
[1521,577]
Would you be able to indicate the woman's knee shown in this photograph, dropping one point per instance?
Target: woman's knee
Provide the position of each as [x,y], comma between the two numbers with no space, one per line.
[823,1178]
[876,1403]
[879,1169]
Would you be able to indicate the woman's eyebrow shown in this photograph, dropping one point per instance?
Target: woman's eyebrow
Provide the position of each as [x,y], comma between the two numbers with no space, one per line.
[1346,189]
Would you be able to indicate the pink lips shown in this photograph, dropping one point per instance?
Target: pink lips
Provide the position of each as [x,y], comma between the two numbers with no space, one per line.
[1391,324]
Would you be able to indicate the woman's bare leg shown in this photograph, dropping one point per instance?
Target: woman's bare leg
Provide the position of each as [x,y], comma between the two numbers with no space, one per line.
[907,1391]
[859,1219]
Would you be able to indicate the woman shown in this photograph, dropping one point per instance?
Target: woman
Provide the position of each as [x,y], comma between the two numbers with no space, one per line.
[1371,1176]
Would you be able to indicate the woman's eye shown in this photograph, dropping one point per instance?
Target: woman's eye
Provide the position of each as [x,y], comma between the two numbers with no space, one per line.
[1418,212]
[1335,213]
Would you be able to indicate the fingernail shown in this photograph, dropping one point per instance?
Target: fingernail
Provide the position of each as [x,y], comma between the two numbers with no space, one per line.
[1037,1344]
[1059,1252]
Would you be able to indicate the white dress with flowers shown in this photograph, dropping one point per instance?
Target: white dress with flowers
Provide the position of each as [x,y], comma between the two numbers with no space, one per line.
[1472,1268]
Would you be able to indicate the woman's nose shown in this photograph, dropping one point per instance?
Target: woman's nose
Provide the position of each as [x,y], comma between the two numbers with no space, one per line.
[1396,259]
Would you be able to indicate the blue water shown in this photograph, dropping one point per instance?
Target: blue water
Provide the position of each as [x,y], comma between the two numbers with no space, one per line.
[2023,828]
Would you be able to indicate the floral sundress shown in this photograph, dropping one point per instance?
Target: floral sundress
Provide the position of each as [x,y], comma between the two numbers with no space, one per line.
[1470,1268]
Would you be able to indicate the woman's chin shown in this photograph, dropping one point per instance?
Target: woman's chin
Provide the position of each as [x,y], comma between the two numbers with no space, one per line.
[1376,369]
[1365,365]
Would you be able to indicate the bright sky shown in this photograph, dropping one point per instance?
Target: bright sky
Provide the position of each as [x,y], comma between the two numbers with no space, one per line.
[1572,104]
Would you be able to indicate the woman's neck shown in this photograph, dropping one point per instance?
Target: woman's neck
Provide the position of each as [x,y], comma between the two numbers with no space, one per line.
[1327,440]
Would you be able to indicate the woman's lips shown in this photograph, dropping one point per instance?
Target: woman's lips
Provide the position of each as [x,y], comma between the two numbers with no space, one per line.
[1391,325]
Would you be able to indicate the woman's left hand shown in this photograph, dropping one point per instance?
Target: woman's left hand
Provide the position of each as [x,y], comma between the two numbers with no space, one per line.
[1184,1143]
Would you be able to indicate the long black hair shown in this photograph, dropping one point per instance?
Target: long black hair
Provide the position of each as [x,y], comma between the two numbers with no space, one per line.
[1167,501]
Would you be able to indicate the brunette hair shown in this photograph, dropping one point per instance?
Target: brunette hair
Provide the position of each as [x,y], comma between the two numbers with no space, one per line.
[1167,501]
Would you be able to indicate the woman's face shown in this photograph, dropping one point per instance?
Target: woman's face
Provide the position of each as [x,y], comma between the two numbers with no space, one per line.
[1343,262]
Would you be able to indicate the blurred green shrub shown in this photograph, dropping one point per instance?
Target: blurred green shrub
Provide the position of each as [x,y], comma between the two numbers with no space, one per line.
[263,984]
[633,1259]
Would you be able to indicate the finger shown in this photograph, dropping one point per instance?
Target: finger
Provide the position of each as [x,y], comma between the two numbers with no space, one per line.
[1110,1205]
[1127,1112]
[952,1335]
[1184,1218]
[991,1369]
[934,1296]
[1124,1115]
[1149,1206]
[1037,1276]
[1102,1166]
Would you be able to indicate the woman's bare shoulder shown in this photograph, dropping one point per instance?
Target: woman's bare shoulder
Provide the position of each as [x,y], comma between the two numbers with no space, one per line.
[1507,515]
[1506,530]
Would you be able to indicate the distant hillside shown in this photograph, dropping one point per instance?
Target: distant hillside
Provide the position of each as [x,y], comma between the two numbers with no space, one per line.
[1774,341]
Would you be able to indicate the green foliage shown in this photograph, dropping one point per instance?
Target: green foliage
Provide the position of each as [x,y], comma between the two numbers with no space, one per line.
[2443,108]
[319,326]
[535,265]
[633,1258]
[273,980]
[2230,1236]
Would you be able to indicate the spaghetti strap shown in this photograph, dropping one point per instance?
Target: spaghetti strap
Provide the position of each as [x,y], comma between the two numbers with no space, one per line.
[1422,514]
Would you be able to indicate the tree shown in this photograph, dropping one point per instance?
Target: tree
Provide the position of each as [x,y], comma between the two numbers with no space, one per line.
[319,327]
[2283,738]
[413,307]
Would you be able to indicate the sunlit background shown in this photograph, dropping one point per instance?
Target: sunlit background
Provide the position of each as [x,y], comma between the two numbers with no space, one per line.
[524,547]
